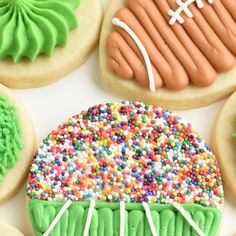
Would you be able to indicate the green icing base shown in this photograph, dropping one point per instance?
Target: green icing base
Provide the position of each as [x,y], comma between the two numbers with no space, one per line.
[234,134]
[106,219]
[10,136]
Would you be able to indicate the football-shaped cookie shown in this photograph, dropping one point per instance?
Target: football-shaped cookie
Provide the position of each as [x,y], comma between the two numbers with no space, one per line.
[185,50]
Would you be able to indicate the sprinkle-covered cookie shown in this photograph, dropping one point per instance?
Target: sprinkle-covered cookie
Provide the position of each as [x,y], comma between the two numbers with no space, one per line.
[124,152]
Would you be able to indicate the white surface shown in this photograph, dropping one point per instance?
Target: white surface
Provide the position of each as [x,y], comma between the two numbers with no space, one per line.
[51,105]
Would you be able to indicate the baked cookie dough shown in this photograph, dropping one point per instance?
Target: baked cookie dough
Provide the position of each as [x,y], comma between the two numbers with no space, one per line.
[125,169]
[224,144]
[220,84]
[8,230]
[63,59]
[17,143]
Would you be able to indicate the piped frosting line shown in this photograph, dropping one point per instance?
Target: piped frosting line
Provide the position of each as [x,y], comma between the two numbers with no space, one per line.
[122,218]
[62,211]
[145,205]
[183,7]
[188,219]
[89,218]
[149,218]
[57,218]
[124,26]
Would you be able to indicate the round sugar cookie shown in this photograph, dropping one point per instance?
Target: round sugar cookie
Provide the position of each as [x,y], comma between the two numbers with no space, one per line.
[7,230]
[224,144]
[104,170]
[17,143]
[64,59]
[190,97]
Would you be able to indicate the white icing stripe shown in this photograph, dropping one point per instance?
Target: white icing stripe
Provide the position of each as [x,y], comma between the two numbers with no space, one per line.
[57,218]
[122,218]
[124,26]
[89,218]
[183,7]
[188,219]
[149,217]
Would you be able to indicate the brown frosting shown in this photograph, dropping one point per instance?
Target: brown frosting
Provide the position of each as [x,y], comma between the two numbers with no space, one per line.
[192,52]
[230,5]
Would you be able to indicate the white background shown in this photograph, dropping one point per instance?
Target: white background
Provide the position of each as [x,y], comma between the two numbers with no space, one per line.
[51,105]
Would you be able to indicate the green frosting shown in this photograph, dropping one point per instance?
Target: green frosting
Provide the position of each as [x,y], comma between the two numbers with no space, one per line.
[234,134]
[106,219]
[31,27]
[10,136]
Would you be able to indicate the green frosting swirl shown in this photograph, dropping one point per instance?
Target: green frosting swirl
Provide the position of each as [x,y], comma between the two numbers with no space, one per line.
[106,219]
[10,136]
[31,27]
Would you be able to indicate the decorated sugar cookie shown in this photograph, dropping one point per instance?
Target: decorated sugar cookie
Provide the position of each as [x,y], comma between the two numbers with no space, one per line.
[7,230]
[224,142]
[42,40]
[173,53]
[125,169]
[17,143]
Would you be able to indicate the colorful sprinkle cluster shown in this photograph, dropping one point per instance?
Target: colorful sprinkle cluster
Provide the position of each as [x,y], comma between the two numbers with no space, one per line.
[126,151]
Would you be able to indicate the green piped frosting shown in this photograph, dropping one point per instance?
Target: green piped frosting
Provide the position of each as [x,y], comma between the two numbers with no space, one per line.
[106,219]
[10,136]
[234,134]
[31,27]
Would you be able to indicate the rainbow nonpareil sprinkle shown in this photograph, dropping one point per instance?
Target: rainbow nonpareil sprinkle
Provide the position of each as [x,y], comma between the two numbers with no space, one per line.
[126,151]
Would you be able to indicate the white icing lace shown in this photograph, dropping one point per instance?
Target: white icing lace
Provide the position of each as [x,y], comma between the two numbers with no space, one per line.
[57,218]
[183,7]
[89,218]
[124,26]
[188,219]
[122,218]
[150,220]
